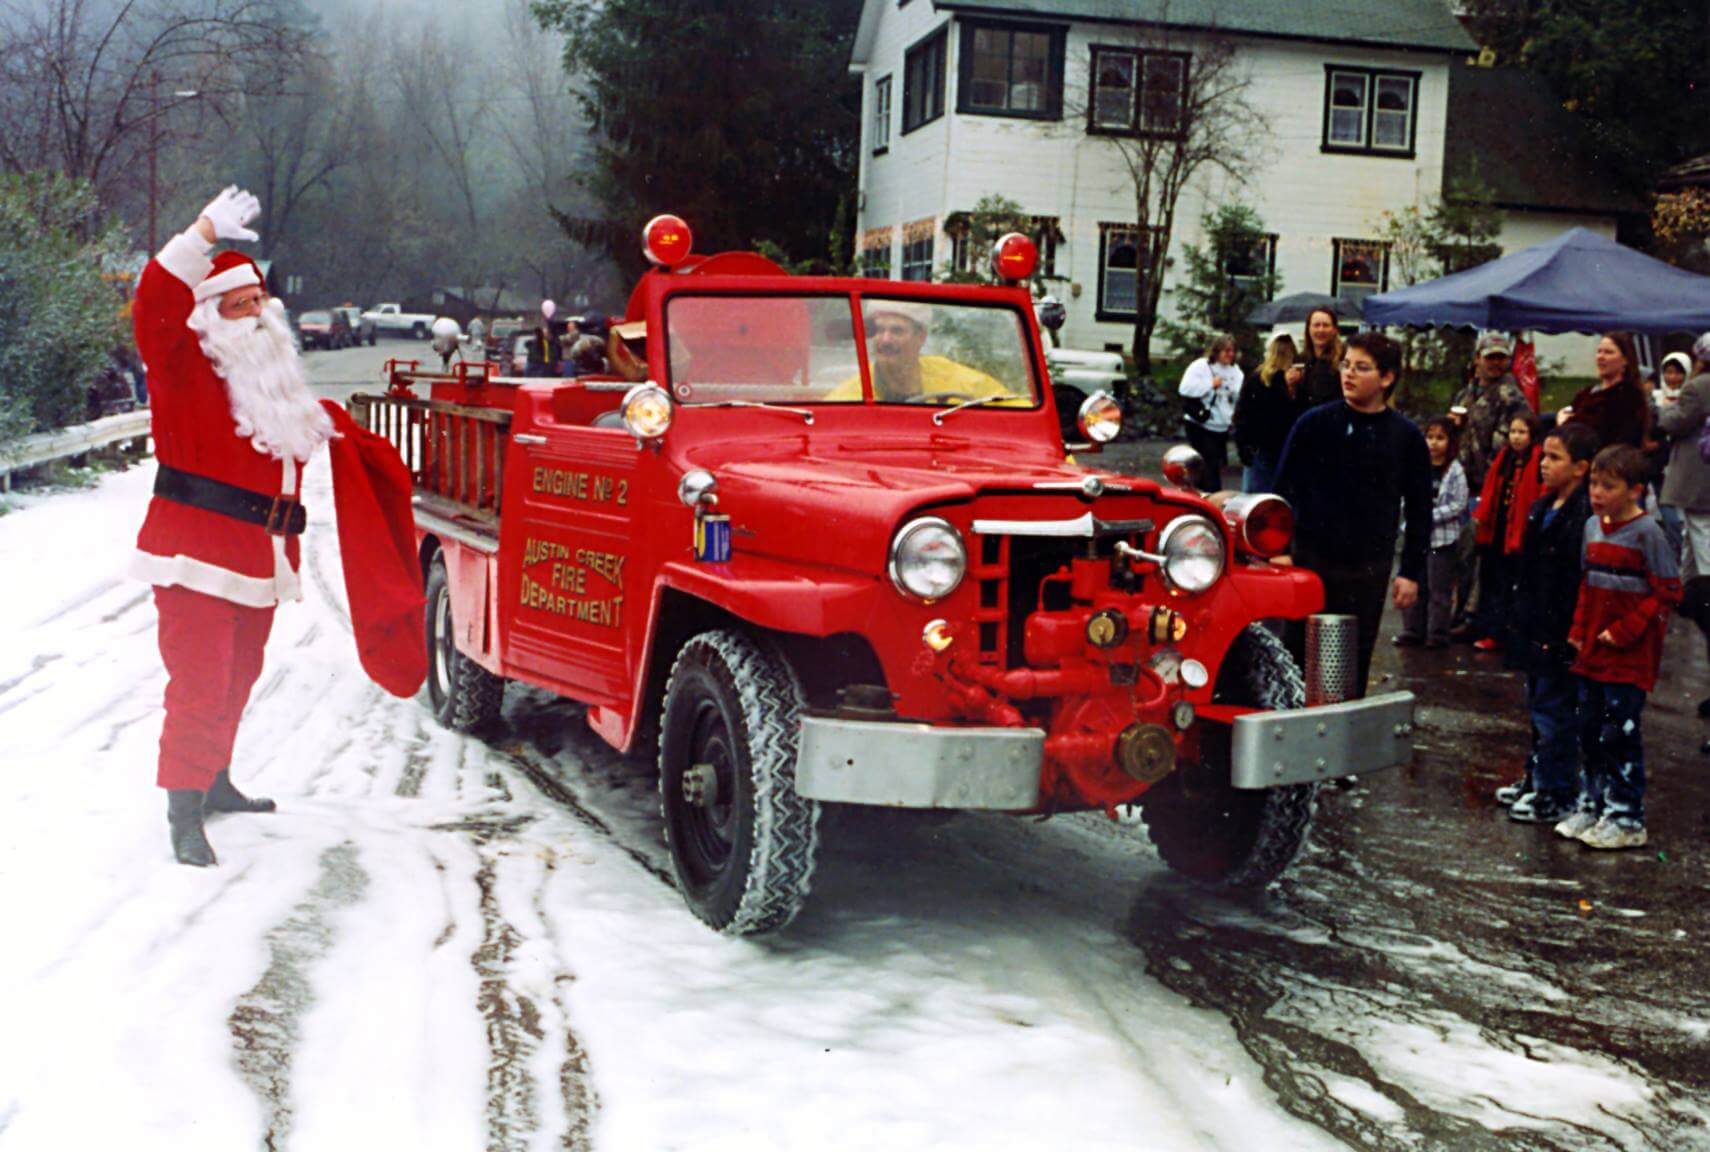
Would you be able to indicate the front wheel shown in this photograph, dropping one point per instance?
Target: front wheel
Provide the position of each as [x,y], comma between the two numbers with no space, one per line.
[419,331]
[464,696]
[1211,831]
[742,842]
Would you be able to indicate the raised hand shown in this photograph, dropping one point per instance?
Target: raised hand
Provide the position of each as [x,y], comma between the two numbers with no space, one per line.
[230,211]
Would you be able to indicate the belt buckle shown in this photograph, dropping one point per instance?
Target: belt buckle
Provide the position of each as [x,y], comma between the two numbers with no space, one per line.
[278,520]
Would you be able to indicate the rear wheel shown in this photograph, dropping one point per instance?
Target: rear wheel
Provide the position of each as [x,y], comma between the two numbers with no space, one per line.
[463,695]
[419,330]
[1209,830]
[742,841]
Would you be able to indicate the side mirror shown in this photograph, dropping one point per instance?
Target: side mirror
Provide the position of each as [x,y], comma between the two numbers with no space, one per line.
[1052,314]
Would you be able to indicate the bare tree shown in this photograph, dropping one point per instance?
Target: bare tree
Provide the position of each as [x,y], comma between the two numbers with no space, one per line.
[89,85]
[1172,105]
[546,137]
[297,130]
[444,97]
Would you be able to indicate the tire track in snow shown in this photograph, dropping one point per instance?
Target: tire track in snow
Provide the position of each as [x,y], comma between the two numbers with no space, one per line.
[525,761]
[512,1020]
[265,1023]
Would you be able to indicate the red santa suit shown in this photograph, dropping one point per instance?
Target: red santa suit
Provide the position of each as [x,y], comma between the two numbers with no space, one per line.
[217,578]
[220,544]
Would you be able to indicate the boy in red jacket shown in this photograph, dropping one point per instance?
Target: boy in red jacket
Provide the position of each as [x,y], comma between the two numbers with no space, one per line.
[1631,580]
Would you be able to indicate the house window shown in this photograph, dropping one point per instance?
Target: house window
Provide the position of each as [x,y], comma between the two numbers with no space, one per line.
[1138,92]
[917,259]
[1045,231]
[874,248]
[881,114]
[876,263]
[923,81]
[1121,256]
[1370,111]
[1252,266]
[1011,71]
[1360,269]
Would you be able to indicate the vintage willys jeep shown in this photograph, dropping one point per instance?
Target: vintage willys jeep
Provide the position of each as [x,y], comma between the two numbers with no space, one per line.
[833,550]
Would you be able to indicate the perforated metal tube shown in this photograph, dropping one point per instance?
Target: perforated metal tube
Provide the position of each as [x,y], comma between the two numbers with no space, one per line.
[1332,658]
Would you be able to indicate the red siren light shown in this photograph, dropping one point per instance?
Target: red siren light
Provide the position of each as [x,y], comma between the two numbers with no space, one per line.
[667,240]
[1014,257]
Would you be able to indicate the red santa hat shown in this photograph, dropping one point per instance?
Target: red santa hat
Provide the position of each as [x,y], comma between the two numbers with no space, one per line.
[231,270]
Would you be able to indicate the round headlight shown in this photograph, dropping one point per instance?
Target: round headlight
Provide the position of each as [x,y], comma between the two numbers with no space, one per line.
[1100,418]
[928,559]
[646,411]
[1192,548]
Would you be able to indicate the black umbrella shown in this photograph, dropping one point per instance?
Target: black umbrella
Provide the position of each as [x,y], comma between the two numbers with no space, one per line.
[1300,305]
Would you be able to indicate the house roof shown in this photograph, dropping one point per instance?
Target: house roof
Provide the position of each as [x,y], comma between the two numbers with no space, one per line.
[1417,24]
[1693,173]
[1508,129]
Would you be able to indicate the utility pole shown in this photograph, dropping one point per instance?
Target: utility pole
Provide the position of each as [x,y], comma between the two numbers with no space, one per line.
[153,147]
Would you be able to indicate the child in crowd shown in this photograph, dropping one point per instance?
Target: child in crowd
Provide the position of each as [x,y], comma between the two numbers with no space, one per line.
[1631,580]
[1428,619]
[1510,487]
[1548,570]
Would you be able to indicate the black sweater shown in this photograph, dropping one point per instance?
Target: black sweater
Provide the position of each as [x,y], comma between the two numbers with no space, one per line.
[1264,413]
[1348,474]
[1548,582]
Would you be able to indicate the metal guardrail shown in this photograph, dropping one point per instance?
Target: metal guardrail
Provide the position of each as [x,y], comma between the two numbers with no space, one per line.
[44,447]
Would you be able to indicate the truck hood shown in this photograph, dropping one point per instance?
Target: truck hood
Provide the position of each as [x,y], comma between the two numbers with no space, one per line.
[840,508]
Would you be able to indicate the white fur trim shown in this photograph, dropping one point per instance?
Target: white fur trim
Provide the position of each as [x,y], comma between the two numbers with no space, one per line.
[223,583]
[186,257]
[208,579]
[237,276]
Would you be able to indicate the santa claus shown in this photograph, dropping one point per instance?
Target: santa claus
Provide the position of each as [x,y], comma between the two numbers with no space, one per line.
[234,424]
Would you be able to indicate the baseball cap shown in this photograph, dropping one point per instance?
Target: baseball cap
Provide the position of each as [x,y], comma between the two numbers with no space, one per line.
[1494,344]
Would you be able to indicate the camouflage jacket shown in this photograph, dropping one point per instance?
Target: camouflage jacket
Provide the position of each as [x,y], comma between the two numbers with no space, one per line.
[1490,408]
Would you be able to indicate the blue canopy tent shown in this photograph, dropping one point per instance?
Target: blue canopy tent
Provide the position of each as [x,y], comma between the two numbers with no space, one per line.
[1578,282]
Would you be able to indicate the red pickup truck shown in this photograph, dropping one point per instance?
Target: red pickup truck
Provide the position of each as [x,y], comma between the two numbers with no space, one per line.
[833,550]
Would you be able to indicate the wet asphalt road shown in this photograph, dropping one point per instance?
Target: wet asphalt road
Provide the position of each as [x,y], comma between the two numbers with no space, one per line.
[1418,904]
[1571,989]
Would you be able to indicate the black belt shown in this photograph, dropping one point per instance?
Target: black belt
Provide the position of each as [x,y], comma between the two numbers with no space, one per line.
[280,515]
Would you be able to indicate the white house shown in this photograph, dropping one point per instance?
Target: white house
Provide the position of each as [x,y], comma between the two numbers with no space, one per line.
[966,98]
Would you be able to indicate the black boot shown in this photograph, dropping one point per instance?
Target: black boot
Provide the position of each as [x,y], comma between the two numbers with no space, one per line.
[184,818]
[224,797]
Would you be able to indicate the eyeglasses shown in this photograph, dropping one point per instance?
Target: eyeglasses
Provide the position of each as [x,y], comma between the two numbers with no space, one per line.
[1349,366]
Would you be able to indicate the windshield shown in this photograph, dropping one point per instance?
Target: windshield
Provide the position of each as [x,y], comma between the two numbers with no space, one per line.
[316,318]
[801,350]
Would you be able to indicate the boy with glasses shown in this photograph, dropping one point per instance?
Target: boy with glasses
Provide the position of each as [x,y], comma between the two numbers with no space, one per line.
[1349,468]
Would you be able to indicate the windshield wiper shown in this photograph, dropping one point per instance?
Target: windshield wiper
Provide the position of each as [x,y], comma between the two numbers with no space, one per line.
[938,417]
[807,417]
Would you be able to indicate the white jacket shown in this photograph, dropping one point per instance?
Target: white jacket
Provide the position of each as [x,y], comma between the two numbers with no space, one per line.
[1218,385]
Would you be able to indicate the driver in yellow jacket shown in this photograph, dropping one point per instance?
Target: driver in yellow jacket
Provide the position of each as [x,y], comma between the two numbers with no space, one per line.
[896,332]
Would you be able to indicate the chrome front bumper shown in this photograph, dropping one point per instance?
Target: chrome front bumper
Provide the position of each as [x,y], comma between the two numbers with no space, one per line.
[1301,746]
[911,765]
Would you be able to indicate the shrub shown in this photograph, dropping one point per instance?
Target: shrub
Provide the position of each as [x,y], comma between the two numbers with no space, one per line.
[59,320]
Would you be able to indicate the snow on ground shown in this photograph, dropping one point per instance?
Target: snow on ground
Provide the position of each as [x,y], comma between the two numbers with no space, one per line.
[444,943]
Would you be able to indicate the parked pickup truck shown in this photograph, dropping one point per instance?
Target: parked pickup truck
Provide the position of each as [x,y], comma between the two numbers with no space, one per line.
[831,551]
[392,319]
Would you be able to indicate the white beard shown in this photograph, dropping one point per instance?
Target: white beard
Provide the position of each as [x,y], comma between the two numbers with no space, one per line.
[265,383]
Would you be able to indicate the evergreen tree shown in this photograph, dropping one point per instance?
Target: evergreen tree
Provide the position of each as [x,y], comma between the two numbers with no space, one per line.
[59,319]
[740,118]
[1225,278]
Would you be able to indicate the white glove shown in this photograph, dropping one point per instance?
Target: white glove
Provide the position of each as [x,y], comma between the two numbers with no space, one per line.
[230,211]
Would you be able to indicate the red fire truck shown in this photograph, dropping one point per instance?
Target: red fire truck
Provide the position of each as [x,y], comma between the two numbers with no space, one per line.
[821,541]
